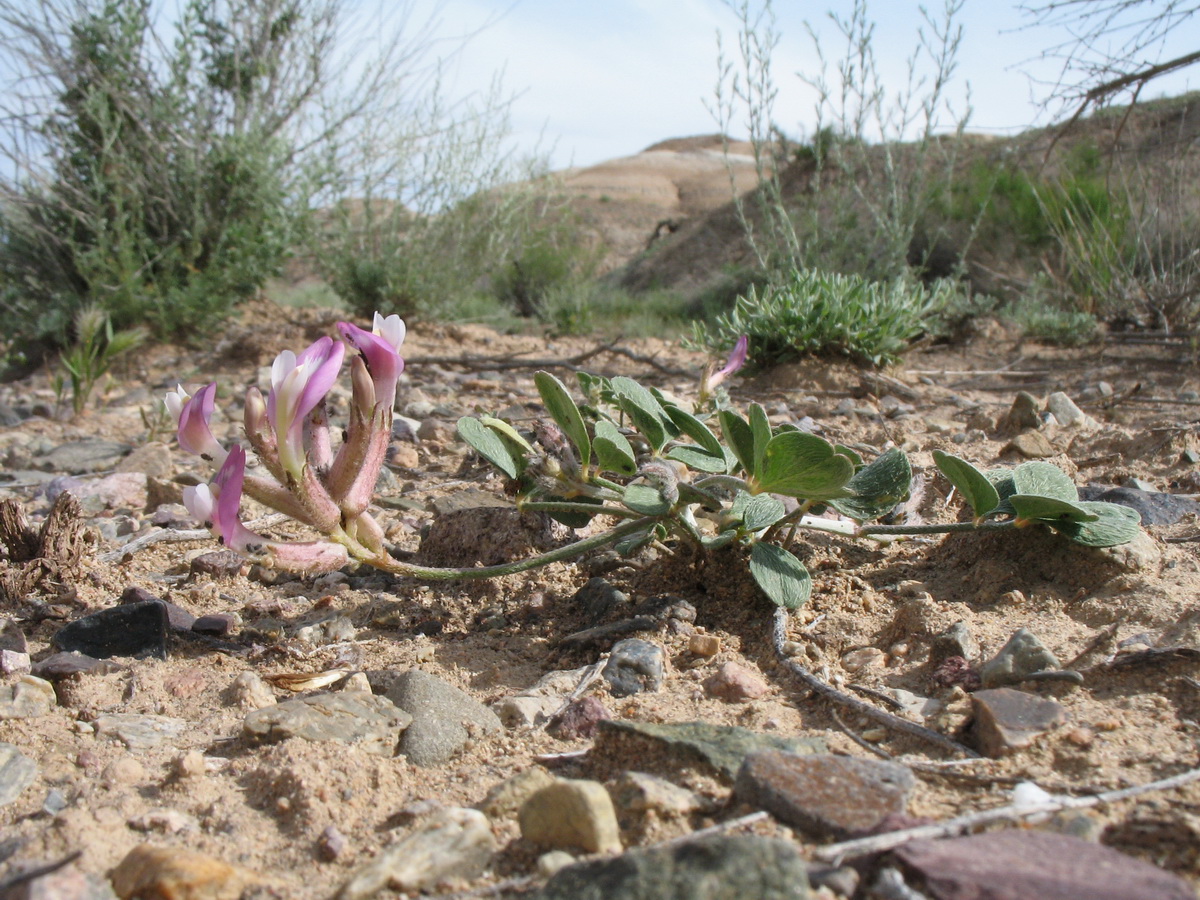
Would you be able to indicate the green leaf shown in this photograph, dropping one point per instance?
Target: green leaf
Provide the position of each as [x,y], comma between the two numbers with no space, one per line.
[574,519]
[805,466]
[508,432]
[695,458]
[1114,524]
[1038,508]
[691,496]
[646,500]
[634,543]
[851,453]
[563,410]
[761,511]
[877,488]
[740,439]
[1044,480]
[696,430]
[613,451]
[1002,479]
[760,428]
[781,576]
[975,487]
[489,445]
[645,412]
[723,539]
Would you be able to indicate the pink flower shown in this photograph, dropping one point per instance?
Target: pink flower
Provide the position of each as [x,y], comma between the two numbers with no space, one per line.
[193,415]
[380,349]
[298,384]
[737,359]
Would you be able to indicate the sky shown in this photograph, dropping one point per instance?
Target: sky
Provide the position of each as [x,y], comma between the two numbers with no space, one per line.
[600,79]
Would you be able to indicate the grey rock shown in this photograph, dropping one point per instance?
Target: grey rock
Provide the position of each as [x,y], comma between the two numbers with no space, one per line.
[956,640]
[17,772]
[13,662]
[719,747]
[61,665]
[1031,445]
[1067,413]
[1023,415]
[823,794]
[27,698]
[12,637]
[85,456]
[153,460]
[598,599]
[1007,720]
[1142,554]
[735,867]
[441,717]
[140,732]
[178,618]
[505,799]
[454,842]
[121,490]
[132,629]
[1155,507]
[634,666]
[915,704]
[570,814]
[328,631]
[1024,655]
[9,416]
[1017,863]
[369,722]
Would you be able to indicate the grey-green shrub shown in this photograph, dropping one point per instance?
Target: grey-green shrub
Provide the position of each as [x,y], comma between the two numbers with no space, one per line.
[826,314]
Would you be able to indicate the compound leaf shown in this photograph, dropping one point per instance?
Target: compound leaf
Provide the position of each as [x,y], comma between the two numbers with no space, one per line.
[805,466]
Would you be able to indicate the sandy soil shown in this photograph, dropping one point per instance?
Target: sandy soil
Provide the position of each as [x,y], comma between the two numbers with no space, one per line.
[265,806]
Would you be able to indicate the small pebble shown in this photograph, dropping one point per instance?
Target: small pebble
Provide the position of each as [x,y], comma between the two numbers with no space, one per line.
[866,658]
[331,844]
[704,645]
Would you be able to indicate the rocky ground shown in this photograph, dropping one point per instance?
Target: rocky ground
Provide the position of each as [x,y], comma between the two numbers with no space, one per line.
[198,728]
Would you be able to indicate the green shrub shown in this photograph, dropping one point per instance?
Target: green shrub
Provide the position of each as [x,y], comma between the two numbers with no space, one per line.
[819,313]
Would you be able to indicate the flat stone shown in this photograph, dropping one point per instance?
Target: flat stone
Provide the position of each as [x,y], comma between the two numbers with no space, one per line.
[1155,507]
[735,683]
[140,732]
[66,883]
[571,814]
[639,792]
[1024,655]
[505,799]
[15,663]
[84,456]
[153,460]
[250,690]
[369,722]
[17,772]
[1031,445]
[1011,864]
[27,698]
[633,667]
[179,874]
[133,629]
[121,490]
[178,618]
[454,842]
[737,867]
[705,646]
[823,794]
[67,663]
[1007,720]
[443,717]
[215,624]
[718,747]
[217,564]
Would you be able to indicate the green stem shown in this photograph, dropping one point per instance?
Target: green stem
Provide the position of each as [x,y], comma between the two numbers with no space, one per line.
[953,527]
[611,485]
[388,564]
[565,506]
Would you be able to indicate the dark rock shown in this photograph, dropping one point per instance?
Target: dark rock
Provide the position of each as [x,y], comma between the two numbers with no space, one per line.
[84,456]
[134,629]
[9,416]
[1007,720]
[1154,507]
[1018,864]
[718,747]
[12,637]
[825,795]
[604,635]
[578,720]
[634,666]
[598,599]
[1023,415]
[723,868]
[62,665]
[217,564]
[954,671]
[215,624]
[178,618]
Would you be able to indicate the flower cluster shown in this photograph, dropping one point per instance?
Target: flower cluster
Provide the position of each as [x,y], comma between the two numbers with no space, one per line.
[289,433]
